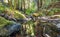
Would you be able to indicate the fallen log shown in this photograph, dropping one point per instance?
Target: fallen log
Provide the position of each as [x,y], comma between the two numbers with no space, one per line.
[54,18]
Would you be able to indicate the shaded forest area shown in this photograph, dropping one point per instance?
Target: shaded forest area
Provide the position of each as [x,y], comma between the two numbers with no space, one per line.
[29,18]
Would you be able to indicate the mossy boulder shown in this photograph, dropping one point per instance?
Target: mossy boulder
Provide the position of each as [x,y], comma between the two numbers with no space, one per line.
[11,12]
[8,27]
[4,22]
[14,13]
[18,14]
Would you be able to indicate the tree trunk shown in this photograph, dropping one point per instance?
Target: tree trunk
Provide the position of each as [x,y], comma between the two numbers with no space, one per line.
[39,3]
[24,5]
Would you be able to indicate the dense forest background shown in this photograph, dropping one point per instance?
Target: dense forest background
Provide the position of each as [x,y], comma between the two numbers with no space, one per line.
[31,6]
[29,18]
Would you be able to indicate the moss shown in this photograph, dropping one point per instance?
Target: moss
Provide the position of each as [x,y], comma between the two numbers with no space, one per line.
[14,13]
[4,22]
[2,8]
[18,15]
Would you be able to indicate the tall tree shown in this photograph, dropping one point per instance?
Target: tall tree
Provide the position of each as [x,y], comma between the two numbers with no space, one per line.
[39,4]
[24,5]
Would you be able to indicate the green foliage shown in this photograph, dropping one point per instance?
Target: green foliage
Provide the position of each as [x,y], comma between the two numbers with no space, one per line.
[4,22]
[29,11]
[32,9]
[50,13]
[30,28]
[46,3]
[2,8]
[56,9]
[18,15]
[53,11]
